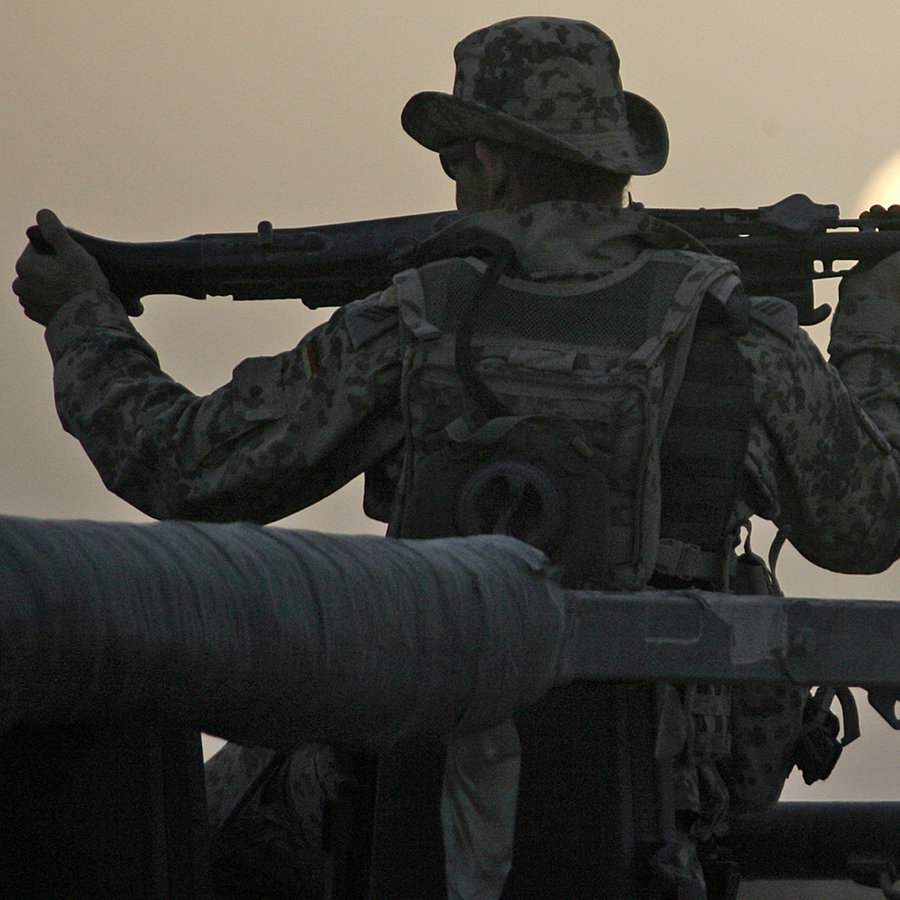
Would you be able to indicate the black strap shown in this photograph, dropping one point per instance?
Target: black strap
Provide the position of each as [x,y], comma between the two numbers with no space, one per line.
[458,241]
[474,384]
[703,452]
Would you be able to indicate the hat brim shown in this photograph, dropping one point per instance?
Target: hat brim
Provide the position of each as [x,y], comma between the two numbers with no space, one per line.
[436,119]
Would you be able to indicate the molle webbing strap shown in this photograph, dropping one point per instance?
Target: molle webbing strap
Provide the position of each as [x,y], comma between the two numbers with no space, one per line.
[468,373]
[619,315]
[702,457]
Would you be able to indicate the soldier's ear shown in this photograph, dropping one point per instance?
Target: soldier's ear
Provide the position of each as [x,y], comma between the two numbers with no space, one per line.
[496,170]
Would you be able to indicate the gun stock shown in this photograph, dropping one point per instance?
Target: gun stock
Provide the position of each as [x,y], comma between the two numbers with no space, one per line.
[781,250]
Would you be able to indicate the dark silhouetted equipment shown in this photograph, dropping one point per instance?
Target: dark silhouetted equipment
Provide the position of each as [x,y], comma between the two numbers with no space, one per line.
[780,250]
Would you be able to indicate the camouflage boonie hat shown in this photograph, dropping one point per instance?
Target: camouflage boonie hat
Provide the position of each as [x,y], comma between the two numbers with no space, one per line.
[551,85]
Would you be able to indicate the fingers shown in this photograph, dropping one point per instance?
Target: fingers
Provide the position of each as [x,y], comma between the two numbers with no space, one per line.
[32,299]
[49,223]
[880,212]
[47,237]
[47,280]
[26,260]
[52,229]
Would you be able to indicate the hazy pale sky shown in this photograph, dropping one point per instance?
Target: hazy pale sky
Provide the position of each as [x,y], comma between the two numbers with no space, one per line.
[154,121]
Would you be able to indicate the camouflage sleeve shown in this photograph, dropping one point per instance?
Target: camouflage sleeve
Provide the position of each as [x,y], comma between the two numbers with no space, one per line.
[824,459]
[865,348]
[286,430]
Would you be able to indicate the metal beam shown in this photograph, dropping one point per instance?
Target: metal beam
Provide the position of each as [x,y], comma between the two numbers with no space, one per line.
[686,635]
[795,841]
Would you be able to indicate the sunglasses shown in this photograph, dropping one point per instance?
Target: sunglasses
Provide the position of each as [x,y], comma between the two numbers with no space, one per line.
[454,155]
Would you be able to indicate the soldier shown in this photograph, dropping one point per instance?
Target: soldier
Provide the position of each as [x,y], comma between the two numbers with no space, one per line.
[408,385]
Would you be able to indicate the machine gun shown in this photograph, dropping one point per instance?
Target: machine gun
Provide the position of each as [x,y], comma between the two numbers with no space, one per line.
[780,250]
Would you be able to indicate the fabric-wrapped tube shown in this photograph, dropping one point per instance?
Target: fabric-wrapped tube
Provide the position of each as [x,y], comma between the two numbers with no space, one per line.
[270,636]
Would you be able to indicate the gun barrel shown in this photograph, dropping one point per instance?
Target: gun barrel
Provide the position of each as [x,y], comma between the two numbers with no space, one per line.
[780,251]
[323,266]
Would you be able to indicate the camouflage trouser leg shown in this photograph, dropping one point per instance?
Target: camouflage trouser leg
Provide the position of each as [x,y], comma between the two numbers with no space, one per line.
[478,811]
[767,721]
[739,748]
[679,869]
[266,813]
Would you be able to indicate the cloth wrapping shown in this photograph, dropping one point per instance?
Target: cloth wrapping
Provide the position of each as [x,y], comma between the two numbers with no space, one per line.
[270,636]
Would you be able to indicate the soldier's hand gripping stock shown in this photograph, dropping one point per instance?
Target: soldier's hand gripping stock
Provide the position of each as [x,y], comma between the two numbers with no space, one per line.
[52,269]
[882,279]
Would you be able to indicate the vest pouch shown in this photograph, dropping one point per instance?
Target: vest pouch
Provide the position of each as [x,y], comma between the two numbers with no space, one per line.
[536,478]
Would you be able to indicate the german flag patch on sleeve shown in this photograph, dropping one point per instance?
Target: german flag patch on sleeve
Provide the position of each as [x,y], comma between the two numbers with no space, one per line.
[309,361]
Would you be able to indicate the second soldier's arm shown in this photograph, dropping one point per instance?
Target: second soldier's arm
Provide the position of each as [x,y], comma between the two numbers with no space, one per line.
[824,461]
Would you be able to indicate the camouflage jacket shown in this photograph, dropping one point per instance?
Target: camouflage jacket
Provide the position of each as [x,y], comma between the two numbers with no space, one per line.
[823,460]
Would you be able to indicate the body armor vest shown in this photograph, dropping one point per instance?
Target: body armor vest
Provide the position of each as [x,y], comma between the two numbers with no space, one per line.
[539,410]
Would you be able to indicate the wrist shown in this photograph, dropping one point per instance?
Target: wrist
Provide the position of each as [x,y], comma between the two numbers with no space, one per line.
[94,308]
